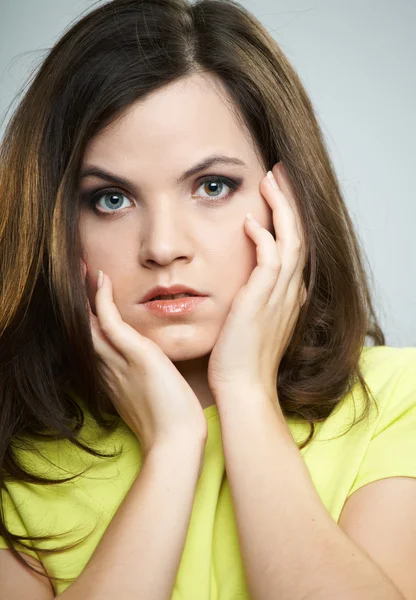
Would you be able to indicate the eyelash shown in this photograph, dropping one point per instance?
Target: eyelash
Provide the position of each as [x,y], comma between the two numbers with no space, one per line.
[93,197]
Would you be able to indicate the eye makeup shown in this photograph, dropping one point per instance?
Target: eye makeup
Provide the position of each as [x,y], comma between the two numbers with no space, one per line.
[92,197]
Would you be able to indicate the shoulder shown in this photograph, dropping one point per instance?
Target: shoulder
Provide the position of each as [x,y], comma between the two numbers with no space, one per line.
[385,360]
[378,513]
[390,374]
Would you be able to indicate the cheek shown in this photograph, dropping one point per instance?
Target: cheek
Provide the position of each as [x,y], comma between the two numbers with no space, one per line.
[234,261]
[110,252]
[237,252]
[105,244]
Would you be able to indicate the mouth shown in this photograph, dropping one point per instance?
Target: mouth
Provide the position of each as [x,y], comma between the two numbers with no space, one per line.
[172,297]
[173,305]
[173,292]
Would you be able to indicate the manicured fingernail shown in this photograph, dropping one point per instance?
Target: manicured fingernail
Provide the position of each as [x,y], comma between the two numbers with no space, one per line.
[253,220]
[99,278]
[272,180]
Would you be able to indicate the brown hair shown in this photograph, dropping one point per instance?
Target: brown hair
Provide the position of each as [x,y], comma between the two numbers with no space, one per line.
[115,55]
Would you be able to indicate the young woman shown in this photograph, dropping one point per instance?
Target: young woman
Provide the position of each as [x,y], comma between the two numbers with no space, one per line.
[242,440]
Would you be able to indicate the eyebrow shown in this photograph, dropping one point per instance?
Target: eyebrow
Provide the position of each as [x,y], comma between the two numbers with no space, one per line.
[205,163]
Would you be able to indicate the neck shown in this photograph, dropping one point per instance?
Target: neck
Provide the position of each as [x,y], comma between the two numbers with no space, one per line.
[195,373]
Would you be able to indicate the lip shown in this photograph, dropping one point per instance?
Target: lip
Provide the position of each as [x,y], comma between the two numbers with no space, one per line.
[174,307]
[173,289]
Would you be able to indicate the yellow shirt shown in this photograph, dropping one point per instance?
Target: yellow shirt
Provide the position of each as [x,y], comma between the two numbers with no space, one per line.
[382,446]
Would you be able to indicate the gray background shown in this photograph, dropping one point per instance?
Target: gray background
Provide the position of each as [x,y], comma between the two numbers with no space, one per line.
[357,62]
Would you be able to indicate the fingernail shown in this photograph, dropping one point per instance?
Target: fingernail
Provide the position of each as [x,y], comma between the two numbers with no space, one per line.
[99,279]
[272,180]
[253,220]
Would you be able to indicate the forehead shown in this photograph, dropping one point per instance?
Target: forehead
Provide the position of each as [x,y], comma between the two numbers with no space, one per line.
[191,113]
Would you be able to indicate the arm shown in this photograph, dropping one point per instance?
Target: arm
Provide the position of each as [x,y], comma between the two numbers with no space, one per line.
[290,546]
[141,549]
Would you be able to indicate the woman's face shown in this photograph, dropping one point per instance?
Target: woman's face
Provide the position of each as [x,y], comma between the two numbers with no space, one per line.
[164,229]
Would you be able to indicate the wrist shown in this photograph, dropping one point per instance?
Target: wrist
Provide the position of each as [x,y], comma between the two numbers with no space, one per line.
[177,451]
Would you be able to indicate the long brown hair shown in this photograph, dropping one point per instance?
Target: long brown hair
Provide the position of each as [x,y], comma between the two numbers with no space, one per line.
[113,56]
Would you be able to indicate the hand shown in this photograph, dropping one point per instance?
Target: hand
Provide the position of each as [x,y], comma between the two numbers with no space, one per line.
[147,390]
[264,312]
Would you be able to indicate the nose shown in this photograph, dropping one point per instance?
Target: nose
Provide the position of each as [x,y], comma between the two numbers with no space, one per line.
[165,235]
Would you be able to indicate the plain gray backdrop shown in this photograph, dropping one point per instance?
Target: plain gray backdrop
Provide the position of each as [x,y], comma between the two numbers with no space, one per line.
[357,62]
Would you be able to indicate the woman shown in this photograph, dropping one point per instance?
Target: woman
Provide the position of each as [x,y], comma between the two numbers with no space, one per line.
[241,443]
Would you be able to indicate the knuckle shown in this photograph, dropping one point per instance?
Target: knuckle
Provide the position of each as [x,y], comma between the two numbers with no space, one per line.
[142,357]
[297,246]
[114,380]
[118,378]
[275,264]
[105,326]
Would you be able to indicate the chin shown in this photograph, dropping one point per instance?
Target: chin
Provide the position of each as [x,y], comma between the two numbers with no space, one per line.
[180,347]
[185,353]
[182,342]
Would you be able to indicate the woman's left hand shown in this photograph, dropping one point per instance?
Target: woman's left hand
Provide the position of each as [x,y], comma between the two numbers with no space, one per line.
[264,312]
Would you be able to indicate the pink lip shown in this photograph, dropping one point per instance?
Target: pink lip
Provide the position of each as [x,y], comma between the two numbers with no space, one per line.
[172,307]
[177,288]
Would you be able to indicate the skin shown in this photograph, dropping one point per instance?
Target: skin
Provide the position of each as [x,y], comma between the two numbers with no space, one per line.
[159,232]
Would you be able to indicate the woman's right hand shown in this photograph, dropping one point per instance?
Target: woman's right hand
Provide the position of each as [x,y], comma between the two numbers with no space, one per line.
[147,390]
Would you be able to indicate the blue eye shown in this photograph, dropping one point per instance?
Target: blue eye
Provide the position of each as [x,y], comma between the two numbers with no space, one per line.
[112,196]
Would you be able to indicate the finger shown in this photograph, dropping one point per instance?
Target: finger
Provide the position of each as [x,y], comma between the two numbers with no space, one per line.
[284,184]
[286,245]
[108,355]
[297,281]
[102,345]
[291,285]
[264,277]
[286,224]
[296,292]
[125,339]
